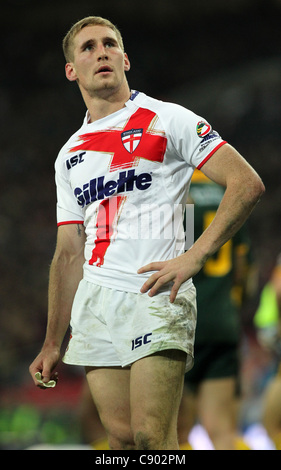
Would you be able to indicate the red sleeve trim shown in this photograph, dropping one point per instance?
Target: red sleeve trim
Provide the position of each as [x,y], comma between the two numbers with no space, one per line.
[210,154]
[70,222]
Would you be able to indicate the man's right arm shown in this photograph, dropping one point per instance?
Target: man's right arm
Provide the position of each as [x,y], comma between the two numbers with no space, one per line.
[65,274]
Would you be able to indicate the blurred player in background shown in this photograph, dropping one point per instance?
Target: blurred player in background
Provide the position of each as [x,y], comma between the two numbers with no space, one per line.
[131,300]
[268,324]
[211,387]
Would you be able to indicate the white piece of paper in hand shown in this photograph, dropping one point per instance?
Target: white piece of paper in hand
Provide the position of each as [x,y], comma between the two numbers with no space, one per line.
[50,384]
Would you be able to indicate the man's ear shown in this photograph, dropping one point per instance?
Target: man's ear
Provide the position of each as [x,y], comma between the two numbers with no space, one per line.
[127,64]
[70,72]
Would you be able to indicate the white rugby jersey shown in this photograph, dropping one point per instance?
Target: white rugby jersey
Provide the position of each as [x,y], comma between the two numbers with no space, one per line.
[126,178]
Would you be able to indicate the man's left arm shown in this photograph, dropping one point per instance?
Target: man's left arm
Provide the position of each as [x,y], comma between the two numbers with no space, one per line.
[244,188]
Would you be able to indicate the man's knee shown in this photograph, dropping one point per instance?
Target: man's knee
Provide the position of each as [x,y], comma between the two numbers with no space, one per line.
[120,443]
[120,436]
[146,441]
[155,438]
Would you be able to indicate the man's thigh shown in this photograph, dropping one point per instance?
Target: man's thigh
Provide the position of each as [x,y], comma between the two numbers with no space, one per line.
[110,389]
[156,390]
[143,399]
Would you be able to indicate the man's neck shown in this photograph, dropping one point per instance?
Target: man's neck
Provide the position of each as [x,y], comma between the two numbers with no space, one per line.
[104,104]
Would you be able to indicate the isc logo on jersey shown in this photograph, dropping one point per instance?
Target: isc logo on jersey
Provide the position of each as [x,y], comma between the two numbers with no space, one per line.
[97,189]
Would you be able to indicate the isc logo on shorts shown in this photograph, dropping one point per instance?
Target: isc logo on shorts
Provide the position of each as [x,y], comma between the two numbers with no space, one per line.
[140,340]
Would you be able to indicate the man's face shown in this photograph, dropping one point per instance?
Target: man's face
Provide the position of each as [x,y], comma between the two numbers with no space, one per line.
[99,62]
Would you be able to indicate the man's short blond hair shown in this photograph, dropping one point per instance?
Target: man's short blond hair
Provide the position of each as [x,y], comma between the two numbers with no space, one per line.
[67,43]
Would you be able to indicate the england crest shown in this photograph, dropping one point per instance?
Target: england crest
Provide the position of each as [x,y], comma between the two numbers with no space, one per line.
[131,139]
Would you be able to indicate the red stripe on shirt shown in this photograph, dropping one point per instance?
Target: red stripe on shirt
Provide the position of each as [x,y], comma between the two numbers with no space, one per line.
[210,154]
[70,222]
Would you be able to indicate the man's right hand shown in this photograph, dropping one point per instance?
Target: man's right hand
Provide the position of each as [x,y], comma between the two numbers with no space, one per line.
[45,363]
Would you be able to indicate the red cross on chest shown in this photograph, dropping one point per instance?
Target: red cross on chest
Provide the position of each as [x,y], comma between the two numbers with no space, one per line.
[128,145]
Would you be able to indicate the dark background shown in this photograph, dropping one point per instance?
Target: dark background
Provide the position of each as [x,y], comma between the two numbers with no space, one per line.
[220,59]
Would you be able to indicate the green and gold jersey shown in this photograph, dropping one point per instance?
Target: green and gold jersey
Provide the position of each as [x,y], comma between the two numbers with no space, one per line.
[218,312]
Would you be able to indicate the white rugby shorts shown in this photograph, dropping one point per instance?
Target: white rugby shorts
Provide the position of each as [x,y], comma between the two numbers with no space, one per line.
[114,328]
